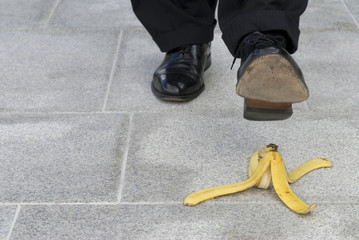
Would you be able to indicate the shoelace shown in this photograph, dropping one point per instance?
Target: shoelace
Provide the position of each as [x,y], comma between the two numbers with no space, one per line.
[182,50]
[257,40]
[184,65]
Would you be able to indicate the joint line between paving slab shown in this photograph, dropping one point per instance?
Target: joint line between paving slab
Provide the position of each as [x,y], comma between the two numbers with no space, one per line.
[125,156]
[87,203]
[57,203]
[51,13]
[14,222]
[114,63]
[306,106]
[208,203]
[350,13]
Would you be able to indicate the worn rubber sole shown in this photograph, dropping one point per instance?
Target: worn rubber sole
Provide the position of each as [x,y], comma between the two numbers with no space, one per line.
[272,78]
[270,85]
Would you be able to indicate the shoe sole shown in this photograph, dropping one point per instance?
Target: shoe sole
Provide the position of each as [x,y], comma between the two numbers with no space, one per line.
[181,98]
[256,110]
[270,85]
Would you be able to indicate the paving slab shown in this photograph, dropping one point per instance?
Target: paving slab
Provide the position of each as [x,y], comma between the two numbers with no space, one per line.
[55,71]
[174,154]
[61,158]
[353,7]
[208,221]
[65,169]
[94,14]
[326,14]
[7,214]
[24,14]
[131,86]
[328,60]
[140,51]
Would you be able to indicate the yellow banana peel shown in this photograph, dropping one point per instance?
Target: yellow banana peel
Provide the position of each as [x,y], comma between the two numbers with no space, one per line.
[266,165]
[213,192]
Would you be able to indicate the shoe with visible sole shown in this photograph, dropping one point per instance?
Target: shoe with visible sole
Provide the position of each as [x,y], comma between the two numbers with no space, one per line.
[270,81]
[180,76]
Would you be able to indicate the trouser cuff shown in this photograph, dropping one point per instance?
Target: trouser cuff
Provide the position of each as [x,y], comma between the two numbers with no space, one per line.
[184,36]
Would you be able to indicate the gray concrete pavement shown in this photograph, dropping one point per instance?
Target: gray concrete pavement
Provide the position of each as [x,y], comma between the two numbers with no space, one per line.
[87,152]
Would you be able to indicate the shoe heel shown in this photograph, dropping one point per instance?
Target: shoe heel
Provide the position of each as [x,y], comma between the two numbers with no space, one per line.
[257,110]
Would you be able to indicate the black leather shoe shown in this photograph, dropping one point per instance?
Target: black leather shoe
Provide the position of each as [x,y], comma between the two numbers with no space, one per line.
[180,75]
[269,79]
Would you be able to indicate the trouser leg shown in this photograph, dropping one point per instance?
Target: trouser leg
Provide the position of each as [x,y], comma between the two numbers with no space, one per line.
[237,18]
[174,23]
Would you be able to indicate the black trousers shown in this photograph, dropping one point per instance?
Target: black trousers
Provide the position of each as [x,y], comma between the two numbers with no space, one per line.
[173,23]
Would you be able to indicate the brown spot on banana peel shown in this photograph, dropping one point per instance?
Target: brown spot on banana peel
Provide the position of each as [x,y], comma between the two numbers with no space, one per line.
[282,188]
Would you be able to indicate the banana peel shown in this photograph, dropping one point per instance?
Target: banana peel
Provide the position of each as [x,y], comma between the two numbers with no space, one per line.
[266,165]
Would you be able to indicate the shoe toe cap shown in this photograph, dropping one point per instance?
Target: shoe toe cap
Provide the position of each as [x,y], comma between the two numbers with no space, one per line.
[175,83]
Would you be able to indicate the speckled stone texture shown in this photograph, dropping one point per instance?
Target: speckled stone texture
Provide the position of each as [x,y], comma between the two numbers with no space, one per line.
[327,14]
[7,214]
[55,70]
[166,163]
[87,151]
[173,221]
[353,7]
[61,158]
[94,14]
[327,61]
[24,14]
